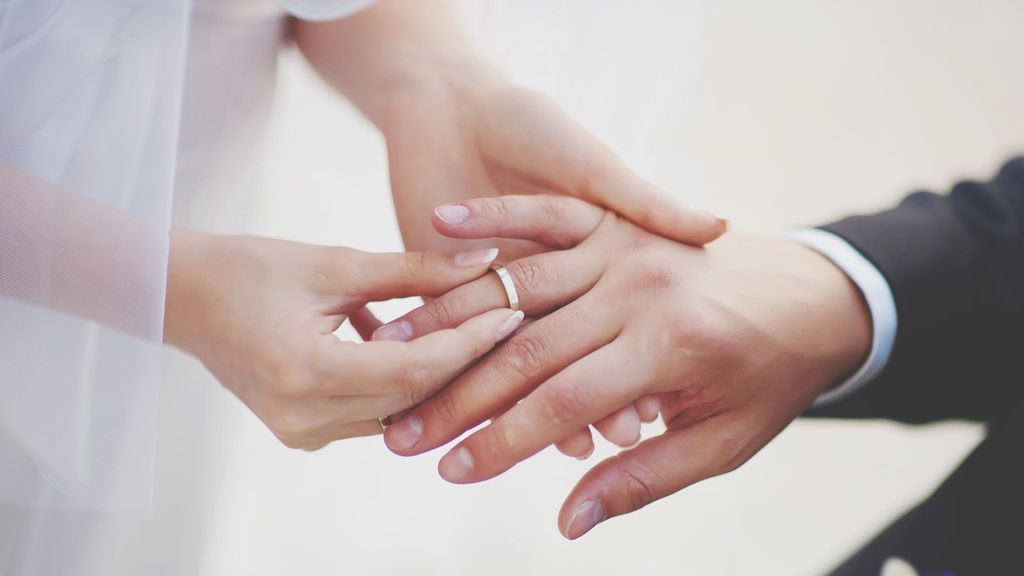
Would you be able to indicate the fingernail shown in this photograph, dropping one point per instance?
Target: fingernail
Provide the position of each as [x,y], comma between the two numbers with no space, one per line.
[588,454]
[404,434]
[727,224]
[400,331]
[456,465]
[474,258]
[586,516]
[509,325]
[452,213]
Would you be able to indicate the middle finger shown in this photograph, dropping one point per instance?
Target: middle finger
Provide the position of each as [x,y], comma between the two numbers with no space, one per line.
[542,282]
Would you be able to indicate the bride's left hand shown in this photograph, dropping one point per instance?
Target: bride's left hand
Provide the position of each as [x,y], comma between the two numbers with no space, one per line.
[460,131]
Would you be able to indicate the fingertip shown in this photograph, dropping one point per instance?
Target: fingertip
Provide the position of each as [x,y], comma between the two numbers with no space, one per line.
[402,436]
[457,465]
[400,331]
[579,446]
[451,214]
[477,258]
[509,324]
[648,408]
[583,519]
[621,428]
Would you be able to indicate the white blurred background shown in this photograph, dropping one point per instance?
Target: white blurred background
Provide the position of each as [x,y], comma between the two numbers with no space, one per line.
[774,114]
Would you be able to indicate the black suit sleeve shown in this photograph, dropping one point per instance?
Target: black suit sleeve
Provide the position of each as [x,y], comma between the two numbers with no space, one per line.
[956,268]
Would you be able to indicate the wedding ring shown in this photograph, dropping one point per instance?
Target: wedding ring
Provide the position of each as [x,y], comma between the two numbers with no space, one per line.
[508,284]
[384,421]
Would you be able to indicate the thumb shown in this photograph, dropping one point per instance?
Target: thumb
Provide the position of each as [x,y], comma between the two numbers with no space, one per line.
[654,469]
[612,184]
[376,277]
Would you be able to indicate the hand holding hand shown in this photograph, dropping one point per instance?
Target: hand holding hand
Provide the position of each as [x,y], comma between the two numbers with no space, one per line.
[737,339]
[464,132]
[261,315]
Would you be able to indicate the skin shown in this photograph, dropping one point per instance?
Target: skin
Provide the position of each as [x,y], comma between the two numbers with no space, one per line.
[736,340]
[261,314]
[456,128]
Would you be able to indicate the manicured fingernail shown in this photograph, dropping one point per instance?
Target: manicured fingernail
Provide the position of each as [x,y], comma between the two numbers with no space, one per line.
[400,331]
[456,465]
[727,224]
[474,258]
[452,213]
[509,325]
[587,515]
[404,434]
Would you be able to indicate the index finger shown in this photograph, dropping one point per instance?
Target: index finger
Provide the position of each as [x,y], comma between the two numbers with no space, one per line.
[414,369]
[585,392]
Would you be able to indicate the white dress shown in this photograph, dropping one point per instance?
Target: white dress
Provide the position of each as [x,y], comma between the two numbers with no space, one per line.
[101,472]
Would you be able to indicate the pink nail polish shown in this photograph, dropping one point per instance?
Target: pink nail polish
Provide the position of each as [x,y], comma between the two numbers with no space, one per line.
[587,515]
[452,213]
[474,258]
[400,331]
[508,325]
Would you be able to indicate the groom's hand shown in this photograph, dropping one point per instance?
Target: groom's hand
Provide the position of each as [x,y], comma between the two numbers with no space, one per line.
[737,339]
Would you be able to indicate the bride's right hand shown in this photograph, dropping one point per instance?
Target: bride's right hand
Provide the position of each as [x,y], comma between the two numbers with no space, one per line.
[261,315]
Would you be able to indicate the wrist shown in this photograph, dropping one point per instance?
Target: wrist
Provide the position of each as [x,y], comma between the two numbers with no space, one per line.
[846,323]
[184,287]
[427,81]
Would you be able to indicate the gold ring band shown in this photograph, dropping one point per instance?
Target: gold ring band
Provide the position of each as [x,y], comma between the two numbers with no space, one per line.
[508,284]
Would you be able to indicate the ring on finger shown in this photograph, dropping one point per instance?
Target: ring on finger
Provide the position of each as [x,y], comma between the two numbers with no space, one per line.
[508,285]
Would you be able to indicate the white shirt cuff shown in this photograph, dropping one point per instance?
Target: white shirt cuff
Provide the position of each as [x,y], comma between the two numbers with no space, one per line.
[876,293]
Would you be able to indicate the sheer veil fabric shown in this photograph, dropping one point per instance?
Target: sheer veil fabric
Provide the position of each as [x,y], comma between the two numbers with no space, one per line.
[91,98]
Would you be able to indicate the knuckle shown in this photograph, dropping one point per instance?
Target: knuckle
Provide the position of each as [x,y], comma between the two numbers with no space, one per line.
[445,408]
[415,381]
[528,274]
[640,482]
[496,443]
[337,262]
[565,403]
[441,312]
[289,425]
[654,274]
[287,378]
[524,354]
[495,210]
[417,264]
[551,207]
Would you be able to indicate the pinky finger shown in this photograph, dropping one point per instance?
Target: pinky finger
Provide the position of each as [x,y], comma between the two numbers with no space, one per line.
[622,427]
[648,408]
[580,445]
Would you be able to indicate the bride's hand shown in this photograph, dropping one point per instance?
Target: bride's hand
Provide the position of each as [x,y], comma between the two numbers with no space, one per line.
[261,315]
[461,131]
[737,339]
